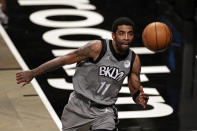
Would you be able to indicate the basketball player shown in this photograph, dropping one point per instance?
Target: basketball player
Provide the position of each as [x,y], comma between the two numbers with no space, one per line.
[101,68]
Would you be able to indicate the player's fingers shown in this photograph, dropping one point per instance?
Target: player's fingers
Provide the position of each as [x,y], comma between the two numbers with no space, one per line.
[144,103]
[19,73]
[19,78]
[144,98]
[144,106]
[143,95]
[20,81]
[25,84]
[141,100]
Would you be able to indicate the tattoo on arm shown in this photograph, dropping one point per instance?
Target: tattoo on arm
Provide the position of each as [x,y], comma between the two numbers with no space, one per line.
[48,66]
[135,81]
[84,51]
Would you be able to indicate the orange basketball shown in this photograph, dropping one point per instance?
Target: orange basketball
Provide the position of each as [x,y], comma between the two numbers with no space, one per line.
[157,36]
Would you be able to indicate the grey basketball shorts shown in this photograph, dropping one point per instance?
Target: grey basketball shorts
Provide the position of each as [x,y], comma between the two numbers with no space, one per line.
[79,114]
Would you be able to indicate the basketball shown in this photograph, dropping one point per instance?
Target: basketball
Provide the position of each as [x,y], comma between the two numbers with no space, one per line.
[157,36]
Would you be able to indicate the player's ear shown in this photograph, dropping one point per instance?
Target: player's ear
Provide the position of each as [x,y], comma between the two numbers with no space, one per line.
[113,35]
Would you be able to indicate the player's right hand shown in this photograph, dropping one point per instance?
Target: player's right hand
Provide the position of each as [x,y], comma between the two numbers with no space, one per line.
[24,77]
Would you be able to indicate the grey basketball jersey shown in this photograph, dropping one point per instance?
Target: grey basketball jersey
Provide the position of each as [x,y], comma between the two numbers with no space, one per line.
[101,80]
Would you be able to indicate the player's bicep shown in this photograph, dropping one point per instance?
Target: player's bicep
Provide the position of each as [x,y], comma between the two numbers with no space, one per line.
[90,50]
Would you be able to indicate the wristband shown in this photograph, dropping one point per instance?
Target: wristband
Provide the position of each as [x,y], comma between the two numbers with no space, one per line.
[135,95]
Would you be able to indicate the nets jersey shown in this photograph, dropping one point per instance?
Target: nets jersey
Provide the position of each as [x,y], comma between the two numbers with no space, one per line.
[101,80]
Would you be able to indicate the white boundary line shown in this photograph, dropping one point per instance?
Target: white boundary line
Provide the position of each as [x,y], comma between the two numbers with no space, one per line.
[33,82]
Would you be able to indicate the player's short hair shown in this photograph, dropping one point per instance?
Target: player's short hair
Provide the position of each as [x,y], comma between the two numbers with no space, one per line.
[122,21]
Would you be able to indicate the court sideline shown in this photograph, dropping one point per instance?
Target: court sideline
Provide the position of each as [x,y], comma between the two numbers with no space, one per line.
[20,108]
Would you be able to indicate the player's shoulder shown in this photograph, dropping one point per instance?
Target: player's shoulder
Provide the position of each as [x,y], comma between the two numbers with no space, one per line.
[96,42]
[133,54]
[96,45]
[135,57]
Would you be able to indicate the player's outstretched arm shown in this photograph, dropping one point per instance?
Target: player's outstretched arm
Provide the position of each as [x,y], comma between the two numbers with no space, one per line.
[91,50]
[135,87]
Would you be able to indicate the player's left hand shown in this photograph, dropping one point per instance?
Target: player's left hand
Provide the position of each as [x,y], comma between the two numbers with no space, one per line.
[142,98]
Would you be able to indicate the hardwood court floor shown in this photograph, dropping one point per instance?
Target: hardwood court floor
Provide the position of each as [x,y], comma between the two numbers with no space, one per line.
[20,108]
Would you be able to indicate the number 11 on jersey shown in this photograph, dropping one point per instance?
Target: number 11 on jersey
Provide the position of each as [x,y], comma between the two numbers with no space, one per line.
[103,88]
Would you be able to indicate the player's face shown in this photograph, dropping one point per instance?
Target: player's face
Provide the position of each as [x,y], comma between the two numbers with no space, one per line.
[123,37]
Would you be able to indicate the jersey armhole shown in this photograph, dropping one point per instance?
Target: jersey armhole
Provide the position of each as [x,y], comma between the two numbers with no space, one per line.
[132,61]
[103,50]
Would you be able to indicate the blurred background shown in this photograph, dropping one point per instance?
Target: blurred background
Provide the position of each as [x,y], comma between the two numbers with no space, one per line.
[34,31]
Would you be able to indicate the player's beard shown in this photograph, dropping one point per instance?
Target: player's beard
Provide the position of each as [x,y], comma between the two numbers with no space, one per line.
[120,48]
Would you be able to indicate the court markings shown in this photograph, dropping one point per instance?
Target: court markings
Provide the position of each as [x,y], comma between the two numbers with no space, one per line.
[34,82]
